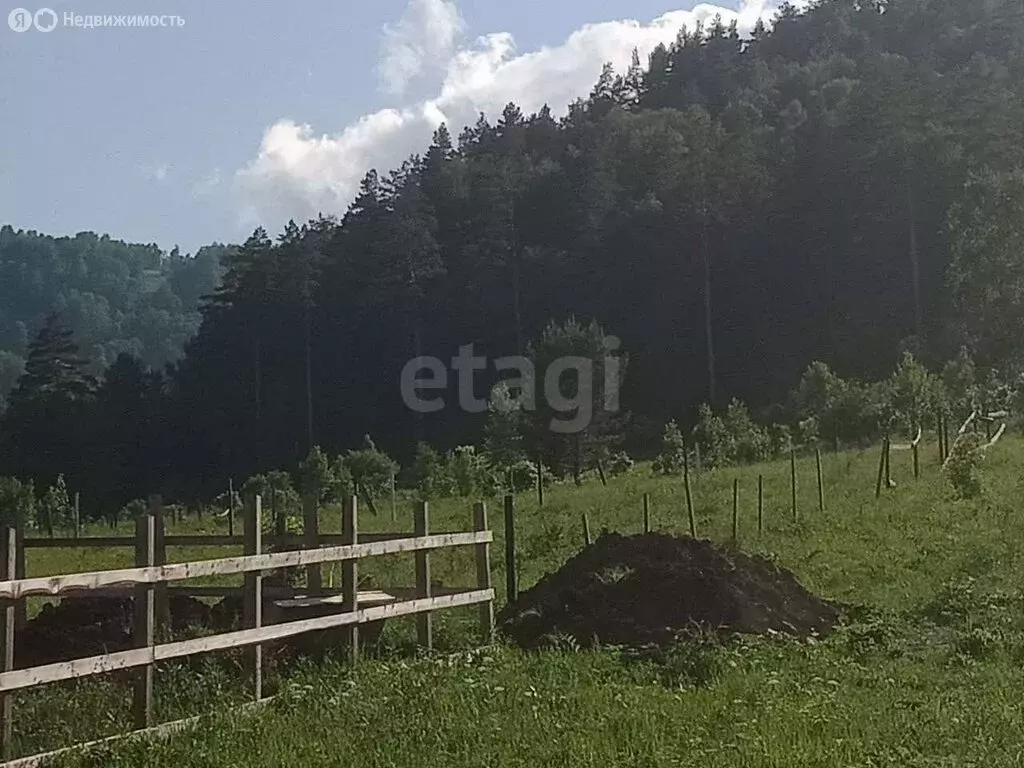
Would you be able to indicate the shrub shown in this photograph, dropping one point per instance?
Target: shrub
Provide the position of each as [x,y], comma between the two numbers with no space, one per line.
[843,409]
[916,393]
[134,509]
[959,383]
[523,476]
[503,432]
[749,442]
[998,391]
[55,509]
[673,451]
[819,395]
[327,481]
[964,468]
[711,433]
[469,471]
[278,495]
[17,502]
[428,474]
[732,437]
[620,463]
[781,439]
[371,469]
[806,434]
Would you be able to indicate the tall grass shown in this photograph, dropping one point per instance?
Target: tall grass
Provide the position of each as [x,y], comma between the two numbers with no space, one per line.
[929,673]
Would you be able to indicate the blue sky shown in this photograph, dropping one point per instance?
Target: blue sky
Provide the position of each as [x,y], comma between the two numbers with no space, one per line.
[252,113]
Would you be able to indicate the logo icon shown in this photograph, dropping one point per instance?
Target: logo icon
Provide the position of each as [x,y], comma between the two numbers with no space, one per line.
[45,19]
[20,20]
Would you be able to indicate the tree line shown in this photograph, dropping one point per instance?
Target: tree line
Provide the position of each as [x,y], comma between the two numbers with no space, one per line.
[117,297]
[846,187]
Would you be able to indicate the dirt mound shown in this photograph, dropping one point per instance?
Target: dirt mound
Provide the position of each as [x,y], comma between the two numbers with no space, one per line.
[651,589]
[84,626]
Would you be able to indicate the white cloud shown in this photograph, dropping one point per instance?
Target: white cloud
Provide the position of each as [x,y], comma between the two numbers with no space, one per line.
[207,185]
[156,172]
[298,174]
[422,39]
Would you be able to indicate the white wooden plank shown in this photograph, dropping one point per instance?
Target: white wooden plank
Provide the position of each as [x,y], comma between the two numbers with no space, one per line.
[201,540]
[52,586]
[363,598]
[45,759]
[68,670]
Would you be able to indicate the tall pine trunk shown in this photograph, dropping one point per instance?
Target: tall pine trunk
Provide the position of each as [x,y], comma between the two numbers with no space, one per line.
[417,343]
[915,262]
[258,391]
[515,302]
[708,327]
[513,236]
[309,379]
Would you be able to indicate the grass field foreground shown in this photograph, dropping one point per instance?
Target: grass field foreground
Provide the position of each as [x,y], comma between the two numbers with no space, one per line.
[928,674]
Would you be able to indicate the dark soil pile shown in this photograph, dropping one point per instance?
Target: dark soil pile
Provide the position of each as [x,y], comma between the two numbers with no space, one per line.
[654,589]
[79,627]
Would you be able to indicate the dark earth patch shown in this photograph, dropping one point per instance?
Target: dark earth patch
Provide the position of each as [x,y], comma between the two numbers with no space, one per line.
[655,589]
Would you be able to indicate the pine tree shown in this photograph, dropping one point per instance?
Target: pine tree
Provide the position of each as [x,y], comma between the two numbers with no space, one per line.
[47,429]
[503,432]
[54,367]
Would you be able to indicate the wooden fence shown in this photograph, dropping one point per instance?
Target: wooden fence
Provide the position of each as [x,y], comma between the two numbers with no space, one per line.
[150,579]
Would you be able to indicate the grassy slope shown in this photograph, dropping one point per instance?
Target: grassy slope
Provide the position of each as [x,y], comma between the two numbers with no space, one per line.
[928,677]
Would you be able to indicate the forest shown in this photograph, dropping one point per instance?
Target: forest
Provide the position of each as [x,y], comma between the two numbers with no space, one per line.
[846,186]
[117,297]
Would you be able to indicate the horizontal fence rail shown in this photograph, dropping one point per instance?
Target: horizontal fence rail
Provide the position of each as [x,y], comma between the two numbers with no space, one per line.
[149,582]
[114,662]
[196,540]
[54,586]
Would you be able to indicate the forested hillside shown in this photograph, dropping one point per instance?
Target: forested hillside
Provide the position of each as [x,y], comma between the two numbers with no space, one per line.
[841,188]
[116,297]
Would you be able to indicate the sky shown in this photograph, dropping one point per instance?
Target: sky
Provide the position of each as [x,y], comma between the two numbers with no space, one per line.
[252,113]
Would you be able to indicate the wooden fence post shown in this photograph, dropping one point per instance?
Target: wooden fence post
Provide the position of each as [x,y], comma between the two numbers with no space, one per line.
[424,621]
[350,574]
[8,621]
[143,628]
[881,469]
[20,606]
[647,513]
[736,511]
[161,592]
[604,480]
[483,572]
[689,496]
[760,503]
[311,540]
[917,461]
[792,476]
[821,483]
[938,429]
[231,507]
[511,590]
[586,530]
[540,483]
[252,601]
[888,456]
[394,499]
[78,514]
